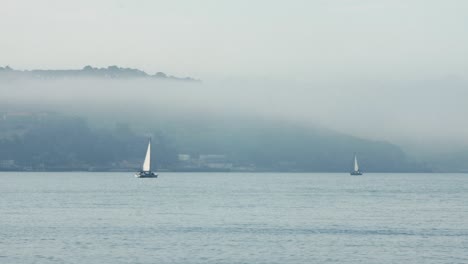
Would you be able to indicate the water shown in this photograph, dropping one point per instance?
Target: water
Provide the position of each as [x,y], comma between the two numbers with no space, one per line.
[233,218]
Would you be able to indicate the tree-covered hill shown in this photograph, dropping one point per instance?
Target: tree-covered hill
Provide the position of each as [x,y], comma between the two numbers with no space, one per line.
[56,142]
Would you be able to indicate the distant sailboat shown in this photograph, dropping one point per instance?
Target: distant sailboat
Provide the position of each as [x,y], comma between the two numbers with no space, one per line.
[356,167]
[146,168]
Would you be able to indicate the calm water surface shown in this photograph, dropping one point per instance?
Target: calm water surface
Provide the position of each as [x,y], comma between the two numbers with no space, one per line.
[233,218]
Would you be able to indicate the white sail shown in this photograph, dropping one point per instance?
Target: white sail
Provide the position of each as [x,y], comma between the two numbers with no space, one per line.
[356,166]
[147,162]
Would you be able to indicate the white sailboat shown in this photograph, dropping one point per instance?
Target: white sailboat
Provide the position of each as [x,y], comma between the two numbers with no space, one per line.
[146,168]
[356,167]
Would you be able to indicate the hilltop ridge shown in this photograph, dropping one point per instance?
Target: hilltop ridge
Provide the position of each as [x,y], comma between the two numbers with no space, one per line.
[110,72]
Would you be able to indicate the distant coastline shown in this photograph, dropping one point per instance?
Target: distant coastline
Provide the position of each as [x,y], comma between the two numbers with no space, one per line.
[208,170]
[110,72]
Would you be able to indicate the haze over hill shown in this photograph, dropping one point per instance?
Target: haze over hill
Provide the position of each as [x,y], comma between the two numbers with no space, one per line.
[178,110]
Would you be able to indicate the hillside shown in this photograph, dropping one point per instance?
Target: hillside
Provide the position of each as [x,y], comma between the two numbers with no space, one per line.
[45,141]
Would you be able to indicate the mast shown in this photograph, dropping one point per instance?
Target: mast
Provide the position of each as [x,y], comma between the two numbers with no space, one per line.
[147,162]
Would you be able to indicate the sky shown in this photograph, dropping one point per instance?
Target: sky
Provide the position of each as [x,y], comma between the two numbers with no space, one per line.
[300,40]
[388,69]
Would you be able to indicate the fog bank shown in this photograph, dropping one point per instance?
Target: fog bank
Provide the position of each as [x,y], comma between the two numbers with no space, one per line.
[429,113]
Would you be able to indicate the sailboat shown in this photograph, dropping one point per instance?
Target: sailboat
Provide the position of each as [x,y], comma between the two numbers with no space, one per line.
[146,172]
[356,167]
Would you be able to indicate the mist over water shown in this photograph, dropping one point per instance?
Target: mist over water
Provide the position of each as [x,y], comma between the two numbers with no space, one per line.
[409,113]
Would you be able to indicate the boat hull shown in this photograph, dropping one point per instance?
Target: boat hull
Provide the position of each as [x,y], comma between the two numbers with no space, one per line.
[355,173]
[146,175]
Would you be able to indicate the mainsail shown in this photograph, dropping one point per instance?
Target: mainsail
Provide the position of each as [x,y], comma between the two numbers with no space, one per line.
[147,162]
[356,166]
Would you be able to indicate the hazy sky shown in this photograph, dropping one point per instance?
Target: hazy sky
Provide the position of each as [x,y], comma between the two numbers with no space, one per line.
[382,69]
[309,39]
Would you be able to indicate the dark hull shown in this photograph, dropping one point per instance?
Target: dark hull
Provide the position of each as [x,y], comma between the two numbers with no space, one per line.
[146,175]
[355,173]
